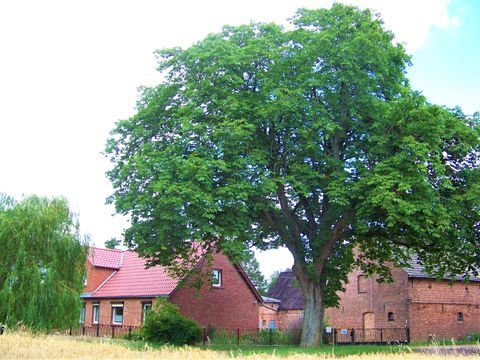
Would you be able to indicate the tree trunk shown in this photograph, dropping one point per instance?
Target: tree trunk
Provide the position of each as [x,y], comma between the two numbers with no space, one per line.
[313,312]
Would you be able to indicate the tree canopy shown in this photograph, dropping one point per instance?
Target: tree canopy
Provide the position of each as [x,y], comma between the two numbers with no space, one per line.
[308,137]
[42,263]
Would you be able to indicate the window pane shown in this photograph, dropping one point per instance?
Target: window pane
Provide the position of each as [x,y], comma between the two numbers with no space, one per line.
[96,312]
[82,314]
[216,277]
[146,308]
[118,315]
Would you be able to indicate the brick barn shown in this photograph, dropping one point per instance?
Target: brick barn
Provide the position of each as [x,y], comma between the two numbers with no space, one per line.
[430,308]
[120,291]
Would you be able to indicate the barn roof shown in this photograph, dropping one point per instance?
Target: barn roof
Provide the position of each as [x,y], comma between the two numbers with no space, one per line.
[416,270]
[287,291]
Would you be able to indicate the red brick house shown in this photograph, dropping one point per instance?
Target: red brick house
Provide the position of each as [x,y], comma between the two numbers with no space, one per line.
[119,290]
[442,309]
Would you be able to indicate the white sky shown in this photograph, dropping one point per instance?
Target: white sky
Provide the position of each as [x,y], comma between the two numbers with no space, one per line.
[70,69]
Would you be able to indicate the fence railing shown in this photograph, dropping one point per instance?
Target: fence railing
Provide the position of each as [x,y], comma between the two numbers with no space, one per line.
[367,336]
[266,337]
[243,337]
[101,330]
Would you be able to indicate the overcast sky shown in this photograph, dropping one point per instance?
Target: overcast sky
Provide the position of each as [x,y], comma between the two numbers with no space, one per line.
[70,69]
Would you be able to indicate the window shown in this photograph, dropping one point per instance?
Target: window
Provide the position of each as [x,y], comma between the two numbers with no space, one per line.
[271,325]
[216,278]
[84,278]
[391,317]
[460,317]
[82,314]
[362,283]
[117,314]
[146,307]
[95,313]
[264,323]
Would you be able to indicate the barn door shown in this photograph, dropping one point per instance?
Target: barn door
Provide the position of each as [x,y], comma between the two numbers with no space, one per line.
[369,327]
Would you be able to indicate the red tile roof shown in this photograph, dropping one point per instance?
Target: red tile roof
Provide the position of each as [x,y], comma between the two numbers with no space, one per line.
[105,258]
[133,280]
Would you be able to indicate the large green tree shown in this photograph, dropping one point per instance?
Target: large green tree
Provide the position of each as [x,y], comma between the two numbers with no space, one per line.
[308,137]
[42,263]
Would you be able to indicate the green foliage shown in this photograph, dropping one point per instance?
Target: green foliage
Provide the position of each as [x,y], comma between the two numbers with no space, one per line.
[252,268]
[471,338]
[308,137]
[273,280]
[41,263]
[112,243]
[165,325]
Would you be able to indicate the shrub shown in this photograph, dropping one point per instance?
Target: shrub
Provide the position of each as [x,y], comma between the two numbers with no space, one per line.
[165,325]
[473,337]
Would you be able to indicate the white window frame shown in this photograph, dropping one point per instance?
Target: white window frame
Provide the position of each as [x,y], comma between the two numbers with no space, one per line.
[116,306]
[146,308]
[217,278]
[82,313]
[95,313]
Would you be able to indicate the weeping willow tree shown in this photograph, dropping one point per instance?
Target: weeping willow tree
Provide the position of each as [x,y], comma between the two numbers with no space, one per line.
[42,261]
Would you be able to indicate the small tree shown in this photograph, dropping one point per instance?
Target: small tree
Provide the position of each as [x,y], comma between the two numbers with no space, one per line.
[165,325]
[252,268]
[41,263]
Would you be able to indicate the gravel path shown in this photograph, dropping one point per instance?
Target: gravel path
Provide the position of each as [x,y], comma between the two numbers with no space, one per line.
[450,350]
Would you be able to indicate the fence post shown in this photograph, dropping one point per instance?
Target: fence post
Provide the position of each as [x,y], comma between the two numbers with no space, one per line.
[238,337]
[113,331]
[70,331]
[204,336]
[130,332]
[381,335]
[352,334]
[408,335]
[83,330]
[334,336]
[270,339]
[98,330]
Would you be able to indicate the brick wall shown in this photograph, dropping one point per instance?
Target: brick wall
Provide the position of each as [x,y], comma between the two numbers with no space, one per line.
[366,303]
[132,310]
[231,306]
[95,276]
[435,307]
[266,313]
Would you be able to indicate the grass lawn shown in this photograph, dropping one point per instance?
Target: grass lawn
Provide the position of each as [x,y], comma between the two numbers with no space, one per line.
[285,351]
[38,346]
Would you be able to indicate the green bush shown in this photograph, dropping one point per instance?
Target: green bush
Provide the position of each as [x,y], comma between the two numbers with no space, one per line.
[473,337]
[165,325]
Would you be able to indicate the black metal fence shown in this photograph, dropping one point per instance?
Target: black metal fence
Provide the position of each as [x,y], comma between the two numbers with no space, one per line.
[265,337]
[100,330]
[242,337]
[367,336]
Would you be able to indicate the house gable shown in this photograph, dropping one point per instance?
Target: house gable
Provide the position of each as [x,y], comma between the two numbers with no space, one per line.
[232,305]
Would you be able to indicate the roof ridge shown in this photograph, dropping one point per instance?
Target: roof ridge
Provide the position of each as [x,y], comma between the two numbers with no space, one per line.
[121,260]
[104,282]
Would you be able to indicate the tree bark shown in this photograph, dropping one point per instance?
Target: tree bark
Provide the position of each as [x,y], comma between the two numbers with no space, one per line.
[313,313]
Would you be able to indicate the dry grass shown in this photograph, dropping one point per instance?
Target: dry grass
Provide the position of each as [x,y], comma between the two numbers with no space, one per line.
[27,346]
